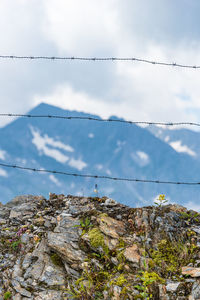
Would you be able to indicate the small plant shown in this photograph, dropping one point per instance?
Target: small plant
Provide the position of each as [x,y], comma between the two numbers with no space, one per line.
[7,295]
[15,242]
[190,216]
[84,225]
[147,278]
[56,260]
[161,200]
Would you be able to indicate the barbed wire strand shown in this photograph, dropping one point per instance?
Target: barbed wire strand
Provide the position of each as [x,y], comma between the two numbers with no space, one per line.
[98,176]
[100,120]
[133,59]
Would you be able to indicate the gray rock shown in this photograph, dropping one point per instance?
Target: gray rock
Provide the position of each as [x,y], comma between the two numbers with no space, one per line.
[25,238]
[60,243]
[52,275]
[17,297]
[2,221]
[172,286]
[49,295]
[195,294]
[27,261]
[15,214]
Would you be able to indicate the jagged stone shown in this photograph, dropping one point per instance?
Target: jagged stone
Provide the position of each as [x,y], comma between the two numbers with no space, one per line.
[195,294]
[172,286]
[62,244]
[111,227]
[15,214]
[132,255]
[49,295]
[193,272]
[39,221]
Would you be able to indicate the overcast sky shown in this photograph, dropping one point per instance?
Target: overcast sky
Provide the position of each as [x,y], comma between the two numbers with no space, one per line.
[163,30]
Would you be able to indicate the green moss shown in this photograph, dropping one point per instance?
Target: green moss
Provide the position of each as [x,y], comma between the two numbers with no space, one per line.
[103,215]
[56,260]
[121,280]
[150,277]
[147,280]
[190,216]
[170,257]
[121,243]
[97,239]
[7,295]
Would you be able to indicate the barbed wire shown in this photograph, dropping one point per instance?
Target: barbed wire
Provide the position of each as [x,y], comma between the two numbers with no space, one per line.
[100,120]
[98,176]
[67,58]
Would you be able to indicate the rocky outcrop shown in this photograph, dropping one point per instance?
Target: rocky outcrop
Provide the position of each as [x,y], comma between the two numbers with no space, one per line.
[94,248]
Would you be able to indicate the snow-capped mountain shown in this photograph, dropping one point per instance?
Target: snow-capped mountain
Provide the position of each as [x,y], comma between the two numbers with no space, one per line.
[89,147]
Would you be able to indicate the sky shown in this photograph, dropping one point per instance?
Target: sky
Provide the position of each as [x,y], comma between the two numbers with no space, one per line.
[160,30]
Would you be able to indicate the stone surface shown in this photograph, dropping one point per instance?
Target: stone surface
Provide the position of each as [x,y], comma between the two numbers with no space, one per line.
[64,246]
[172,287]
[195,294]
[131,254]
[111,227]
[193,272]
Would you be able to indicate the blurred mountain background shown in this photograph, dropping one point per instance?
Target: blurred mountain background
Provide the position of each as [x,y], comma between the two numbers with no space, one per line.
[89,147]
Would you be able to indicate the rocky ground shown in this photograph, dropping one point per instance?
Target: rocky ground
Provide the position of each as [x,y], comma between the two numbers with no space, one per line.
[94,248]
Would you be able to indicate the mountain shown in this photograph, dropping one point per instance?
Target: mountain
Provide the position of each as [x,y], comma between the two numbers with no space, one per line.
[89,147]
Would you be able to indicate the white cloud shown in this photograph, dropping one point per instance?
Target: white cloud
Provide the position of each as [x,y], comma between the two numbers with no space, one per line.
[192,205]
[132,90]
[177,145]
[68,98]
[81,27]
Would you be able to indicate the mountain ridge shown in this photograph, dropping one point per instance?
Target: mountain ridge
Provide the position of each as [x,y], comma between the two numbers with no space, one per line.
[119,150]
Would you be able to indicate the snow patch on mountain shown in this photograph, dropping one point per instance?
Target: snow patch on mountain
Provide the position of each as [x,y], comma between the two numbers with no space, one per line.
[91,135]
[22,161]
[77,164]
[167,138]
[141,158]
[54,180]
[177,145]
[99,167]
[3,173]
[120,144]
[41,143]
[108,172]
[2,154]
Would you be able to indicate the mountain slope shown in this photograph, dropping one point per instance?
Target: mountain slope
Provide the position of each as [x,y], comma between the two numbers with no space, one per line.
[77,146]
[182,140]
